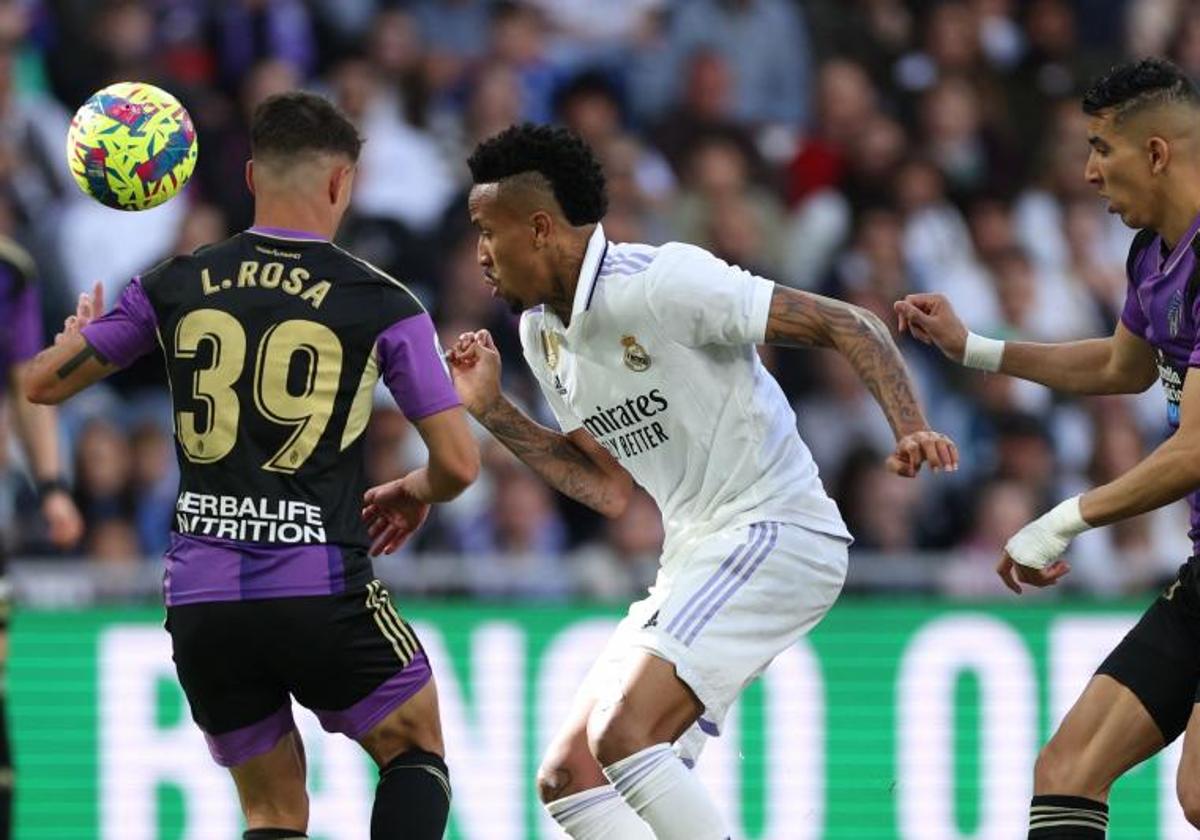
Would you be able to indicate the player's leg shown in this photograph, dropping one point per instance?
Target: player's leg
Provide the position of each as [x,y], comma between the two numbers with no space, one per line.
[738,599]
[222,657]
[573,787]
[1187,782]
[1139,701]
[270,787]
[359,666]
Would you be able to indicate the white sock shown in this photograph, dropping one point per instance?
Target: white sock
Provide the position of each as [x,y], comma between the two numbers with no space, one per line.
[665,794]
[598,814]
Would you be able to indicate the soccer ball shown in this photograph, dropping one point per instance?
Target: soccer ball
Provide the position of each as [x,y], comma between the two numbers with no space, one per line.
[131,146]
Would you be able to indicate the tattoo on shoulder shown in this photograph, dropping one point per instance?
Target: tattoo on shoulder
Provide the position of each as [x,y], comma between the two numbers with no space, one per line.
[72,364]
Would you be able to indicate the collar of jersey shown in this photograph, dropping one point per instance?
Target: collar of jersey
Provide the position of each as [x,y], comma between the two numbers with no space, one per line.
[286,233]
[589,272]
[1181,247]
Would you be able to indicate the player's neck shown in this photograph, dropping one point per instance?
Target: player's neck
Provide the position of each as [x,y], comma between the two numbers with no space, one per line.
[1178,215]
[297,217]
[568,264]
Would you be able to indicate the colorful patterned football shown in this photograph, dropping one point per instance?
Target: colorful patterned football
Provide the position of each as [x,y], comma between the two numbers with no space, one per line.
[131,146]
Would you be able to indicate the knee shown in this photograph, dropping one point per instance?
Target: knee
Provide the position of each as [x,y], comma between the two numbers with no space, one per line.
[1061,771]
[613,736]
[567,768]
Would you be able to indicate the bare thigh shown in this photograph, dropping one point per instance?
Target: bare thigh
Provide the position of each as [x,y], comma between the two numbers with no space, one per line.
[271,786]
[1187,782]
[568,765]
[413,725]
[1107,732]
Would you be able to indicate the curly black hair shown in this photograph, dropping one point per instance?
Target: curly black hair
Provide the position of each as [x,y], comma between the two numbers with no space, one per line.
[1134,85]
[556,154]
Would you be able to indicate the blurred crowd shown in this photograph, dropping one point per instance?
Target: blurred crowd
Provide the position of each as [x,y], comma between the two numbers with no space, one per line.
[858,148]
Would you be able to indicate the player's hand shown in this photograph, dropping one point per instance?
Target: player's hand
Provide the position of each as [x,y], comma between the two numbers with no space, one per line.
[392,514]
[475,369]
[1011,571]
[87,309]
[66,525]
[923,447]
[931,319]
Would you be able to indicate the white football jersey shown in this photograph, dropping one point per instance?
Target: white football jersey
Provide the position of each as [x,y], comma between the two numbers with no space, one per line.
[659,365]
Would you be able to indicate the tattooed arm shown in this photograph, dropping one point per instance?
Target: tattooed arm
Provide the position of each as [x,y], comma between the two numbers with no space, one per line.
[574,463]
[801,319]
[70,364]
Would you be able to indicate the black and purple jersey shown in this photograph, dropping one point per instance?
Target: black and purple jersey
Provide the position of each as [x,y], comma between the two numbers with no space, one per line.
[20,310]
[1162,306]
[274,341]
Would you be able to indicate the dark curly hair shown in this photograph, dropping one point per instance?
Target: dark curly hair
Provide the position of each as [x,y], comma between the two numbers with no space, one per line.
[1134,85]
[556,154]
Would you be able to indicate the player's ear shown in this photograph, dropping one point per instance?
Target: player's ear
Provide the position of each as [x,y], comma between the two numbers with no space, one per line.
[250,176]
[542,225]
[1158,152]
[341,182]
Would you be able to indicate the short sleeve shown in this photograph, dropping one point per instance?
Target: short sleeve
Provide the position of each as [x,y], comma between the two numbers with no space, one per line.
[128,330]
[1132,314]
[412,367]
[697,299]
[531,347]
[22,336]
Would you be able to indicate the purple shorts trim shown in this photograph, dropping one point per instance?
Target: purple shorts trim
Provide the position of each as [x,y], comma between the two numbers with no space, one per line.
[233,748]
[357,720]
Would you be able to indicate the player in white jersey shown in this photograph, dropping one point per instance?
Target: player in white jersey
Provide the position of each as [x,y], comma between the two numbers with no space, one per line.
[647,358]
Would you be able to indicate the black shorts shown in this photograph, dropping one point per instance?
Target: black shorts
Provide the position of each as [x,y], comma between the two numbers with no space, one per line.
[349,658]
[1159,659]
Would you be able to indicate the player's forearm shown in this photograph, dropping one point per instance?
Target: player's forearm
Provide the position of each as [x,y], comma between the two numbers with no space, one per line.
[553,456]
[1075,367]
[62,370]
[431,485]
[800,319]
[1168,474]
[36,428]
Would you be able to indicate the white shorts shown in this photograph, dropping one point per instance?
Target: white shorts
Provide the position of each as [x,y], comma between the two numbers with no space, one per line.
[723,610]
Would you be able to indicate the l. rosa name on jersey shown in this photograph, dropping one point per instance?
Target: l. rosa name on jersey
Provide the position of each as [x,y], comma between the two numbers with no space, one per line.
[270,275]
[626,429]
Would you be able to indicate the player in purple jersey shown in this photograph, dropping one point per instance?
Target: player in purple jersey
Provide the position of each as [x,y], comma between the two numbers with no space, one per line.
[274,340]
[37,429]
[1144,130]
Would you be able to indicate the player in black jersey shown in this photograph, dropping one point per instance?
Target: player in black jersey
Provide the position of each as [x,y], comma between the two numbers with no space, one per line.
[274,340]
[37,429]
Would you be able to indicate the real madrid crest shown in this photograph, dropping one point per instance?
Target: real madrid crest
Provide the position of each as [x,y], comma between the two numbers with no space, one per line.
[550,342]
[636,357]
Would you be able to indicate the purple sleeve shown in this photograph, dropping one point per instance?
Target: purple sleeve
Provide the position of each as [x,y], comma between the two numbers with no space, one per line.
[1132,315]
[413,369]
[126,331]
[23,325]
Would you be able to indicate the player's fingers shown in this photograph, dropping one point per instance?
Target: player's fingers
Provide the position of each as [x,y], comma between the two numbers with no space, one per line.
[1056,570]
[899,466]
[912,452]
[930,450]
[1005,569]
[380,543]
[83,307]
[98,298]
[485,338]
[946,453]
[901,318]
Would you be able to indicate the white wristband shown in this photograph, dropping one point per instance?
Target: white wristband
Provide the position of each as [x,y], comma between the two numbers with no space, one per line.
[983,353]
[1043,540]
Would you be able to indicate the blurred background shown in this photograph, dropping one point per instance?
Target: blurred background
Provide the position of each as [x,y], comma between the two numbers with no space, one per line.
[858,148]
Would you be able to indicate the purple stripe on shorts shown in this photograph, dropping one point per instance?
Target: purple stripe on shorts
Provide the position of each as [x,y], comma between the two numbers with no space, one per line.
[602,796]
[708,727]
[357,720]
[209,569]
[679,624]
[736,583]
[413,369]
[230,749]
[682,614]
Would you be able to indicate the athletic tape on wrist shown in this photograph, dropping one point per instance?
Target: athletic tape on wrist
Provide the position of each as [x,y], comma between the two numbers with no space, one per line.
[983,353]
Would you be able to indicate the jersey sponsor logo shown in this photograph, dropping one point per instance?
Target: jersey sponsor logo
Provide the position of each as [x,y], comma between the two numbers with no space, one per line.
[626,429]
[636,357]
[270,275]
[1172,383]
[249,520]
